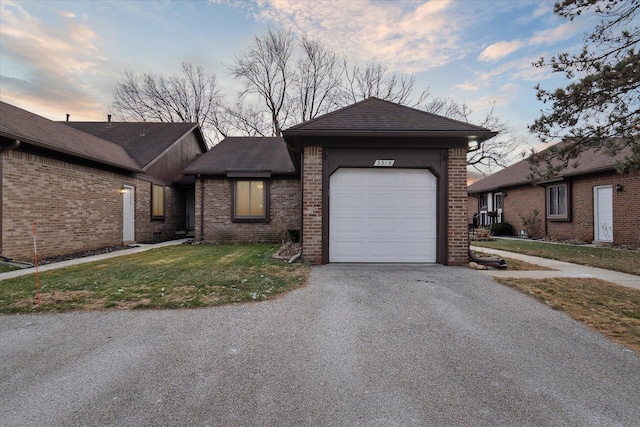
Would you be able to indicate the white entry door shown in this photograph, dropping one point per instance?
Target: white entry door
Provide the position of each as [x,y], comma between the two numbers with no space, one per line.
[603,213]
[382,215]
[128,214]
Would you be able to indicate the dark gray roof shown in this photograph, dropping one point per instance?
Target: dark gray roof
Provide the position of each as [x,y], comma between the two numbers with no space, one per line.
[375,116]
[590,161]
[29,128]
[244,154]
[144,141]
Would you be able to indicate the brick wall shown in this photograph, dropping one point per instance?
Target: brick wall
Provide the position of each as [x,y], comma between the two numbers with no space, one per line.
[457,204]
[472,208]
[74,207]
[626,210]
[522,201]
[312,205]
[218,227]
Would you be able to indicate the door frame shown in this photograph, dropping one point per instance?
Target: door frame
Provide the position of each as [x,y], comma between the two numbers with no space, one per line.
[596,212]
[128,213]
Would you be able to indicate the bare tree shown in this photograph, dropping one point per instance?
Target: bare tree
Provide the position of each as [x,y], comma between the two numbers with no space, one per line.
[317,80]
[266,71]
[485,156]
[375,80]
[193,96]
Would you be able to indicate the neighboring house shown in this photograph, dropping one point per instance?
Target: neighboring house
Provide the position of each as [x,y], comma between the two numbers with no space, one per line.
[586,201]
[161,150]
[372,182]
[82,192]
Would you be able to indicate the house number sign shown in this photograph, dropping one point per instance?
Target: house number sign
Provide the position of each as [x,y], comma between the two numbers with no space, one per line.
[386,163]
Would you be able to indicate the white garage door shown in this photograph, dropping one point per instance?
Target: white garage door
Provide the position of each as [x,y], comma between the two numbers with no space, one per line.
[382,215]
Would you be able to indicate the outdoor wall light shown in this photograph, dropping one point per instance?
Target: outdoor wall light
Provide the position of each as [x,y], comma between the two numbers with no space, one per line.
[619,188]
[123,190]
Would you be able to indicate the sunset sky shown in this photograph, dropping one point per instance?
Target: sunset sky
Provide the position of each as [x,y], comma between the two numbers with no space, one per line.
[59,57]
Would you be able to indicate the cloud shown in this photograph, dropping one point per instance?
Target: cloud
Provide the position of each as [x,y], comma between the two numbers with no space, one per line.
[500,50]
[553,35]
[55,62]
[411,37]
[467,86]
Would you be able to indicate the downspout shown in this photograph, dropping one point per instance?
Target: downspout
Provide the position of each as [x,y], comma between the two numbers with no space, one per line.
[201,207]
[13,146]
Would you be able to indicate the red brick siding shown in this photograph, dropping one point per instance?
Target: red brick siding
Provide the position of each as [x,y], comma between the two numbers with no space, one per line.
[522,201]
[457,204]
[472,208]
[312,205]
[218,226]
[74,207]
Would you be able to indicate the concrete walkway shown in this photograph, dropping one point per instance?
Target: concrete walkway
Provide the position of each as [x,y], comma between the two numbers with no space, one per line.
[140,247]
[560,269]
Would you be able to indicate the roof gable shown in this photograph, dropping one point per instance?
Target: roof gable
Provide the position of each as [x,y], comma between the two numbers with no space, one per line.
[244,154]
[32,129]
[375,115]
[144,141]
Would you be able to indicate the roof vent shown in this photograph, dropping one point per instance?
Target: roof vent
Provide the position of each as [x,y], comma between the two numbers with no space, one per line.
[68,115]
[108,120]
[142,131]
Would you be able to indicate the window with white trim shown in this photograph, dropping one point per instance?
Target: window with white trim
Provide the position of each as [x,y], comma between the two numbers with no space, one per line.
[558,201]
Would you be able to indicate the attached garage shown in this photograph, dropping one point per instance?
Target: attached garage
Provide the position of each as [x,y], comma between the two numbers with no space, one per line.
[383,182]
[382,215]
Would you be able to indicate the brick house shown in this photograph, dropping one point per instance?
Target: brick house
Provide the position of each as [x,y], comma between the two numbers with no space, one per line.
[372,182]
[587,201]
[82,191]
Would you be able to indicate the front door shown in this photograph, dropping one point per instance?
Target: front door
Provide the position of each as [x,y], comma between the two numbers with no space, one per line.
[603,213]
[128,214]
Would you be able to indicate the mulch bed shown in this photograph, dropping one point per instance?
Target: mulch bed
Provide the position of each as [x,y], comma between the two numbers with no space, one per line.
[82,254]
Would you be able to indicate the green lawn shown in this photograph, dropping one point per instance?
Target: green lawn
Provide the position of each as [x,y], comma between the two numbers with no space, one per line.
[169,277]
[625,261]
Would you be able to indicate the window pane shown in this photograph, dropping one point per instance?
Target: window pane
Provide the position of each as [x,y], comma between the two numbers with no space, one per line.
[553,200]
[242,197]
[257,199]
[562,200]
[157,209]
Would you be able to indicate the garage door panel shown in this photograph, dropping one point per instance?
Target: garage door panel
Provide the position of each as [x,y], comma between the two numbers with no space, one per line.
[379,215]
[350,226]
[382,225]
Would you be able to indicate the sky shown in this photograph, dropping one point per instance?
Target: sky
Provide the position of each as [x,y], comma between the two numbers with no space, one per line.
[65,57]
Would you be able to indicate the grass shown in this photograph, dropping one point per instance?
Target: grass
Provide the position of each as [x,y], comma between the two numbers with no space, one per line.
[170,277]
[605,307]
[516,264]
[625,261]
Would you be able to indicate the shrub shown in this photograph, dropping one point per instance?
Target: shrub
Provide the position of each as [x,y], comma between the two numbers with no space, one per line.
[502,229]
[531,223]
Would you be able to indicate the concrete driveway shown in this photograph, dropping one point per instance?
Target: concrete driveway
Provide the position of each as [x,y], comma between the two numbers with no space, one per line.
[361,345]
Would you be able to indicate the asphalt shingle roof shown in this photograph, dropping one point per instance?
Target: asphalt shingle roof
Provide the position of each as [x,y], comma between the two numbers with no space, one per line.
[144,141]
[374,115]
[590,161]
[245,153]
[29,128]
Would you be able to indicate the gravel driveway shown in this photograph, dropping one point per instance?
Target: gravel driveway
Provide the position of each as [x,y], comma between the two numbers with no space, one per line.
[361,345]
